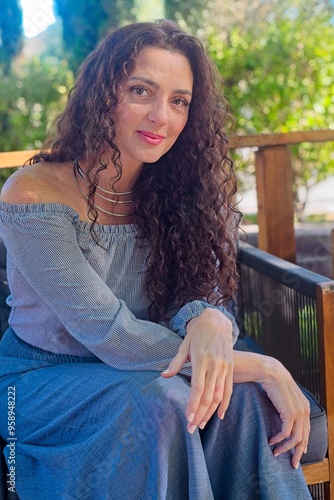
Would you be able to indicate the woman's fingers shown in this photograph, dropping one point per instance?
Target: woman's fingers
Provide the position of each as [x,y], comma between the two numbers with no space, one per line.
[221,399]
[298,442]
[201,394]
[297,438]
[227,394]
[177,362]
[209,391]
[294,410]
[285,432]
[298,453]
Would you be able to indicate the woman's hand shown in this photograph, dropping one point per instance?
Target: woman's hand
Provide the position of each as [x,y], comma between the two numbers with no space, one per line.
[293,408]
[208,345]
[285,395]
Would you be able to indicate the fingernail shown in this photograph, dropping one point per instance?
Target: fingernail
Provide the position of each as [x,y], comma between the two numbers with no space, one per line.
[305,451]
[296,466]
[166,371]
[192,429]
[222,416]
[276,454]
[202,424]
[191,417]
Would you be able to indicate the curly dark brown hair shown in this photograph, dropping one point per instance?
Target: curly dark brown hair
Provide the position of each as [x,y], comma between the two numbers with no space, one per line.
[184,201]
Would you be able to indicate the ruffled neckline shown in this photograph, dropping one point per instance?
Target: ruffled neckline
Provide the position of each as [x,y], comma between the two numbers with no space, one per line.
[39,209]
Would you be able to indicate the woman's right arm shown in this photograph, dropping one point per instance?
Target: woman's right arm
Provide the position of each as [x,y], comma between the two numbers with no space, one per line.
[45,250]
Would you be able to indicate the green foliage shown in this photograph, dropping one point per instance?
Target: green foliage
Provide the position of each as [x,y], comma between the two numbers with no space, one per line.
[276,57]
[31,97]
[282,79]
[277,61]
[253,323]
[150,10]
[188,13]
[307,321]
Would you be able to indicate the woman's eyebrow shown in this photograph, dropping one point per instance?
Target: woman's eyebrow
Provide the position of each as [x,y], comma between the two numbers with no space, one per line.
[156,86]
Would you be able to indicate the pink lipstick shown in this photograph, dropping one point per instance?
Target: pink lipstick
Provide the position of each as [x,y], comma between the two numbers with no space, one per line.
[151,138]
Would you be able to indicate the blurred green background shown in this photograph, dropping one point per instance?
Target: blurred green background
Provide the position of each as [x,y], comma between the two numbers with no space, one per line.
[276,58]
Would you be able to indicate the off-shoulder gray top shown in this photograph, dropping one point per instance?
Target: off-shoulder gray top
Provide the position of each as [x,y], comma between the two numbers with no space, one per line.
[70,295]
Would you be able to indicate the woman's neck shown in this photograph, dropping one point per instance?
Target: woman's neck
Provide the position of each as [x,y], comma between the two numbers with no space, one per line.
[113,201]
[108,176]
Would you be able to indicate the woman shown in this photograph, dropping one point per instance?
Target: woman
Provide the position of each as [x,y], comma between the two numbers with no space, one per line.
[121,252]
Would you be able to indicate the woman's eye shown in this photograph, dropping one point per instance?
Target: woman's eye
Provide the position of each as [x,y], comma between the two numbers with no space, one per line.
[139,90]
[178,101]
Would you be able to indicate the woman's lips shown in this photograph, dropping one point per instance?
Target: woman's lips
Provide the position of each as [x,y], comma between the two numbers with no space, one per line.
[150,138]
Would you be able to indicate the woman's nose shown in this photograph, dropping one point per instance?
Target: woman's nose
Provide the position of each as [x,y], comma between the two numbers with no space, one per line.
[158,113]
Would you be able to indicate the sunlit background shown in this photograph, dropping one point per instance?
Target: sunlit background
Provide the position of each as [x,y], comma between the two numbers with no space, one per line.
[276,57]
[38,15]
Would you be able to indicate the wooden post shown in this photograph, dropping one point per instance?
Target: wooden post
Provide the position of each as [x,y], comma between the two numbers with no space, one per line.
[275,202]
[332,252]
[325,312]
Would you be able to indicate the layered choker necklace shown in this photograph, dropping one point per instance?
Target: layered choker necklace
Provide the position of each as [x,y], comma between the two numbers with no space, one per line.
[80,174]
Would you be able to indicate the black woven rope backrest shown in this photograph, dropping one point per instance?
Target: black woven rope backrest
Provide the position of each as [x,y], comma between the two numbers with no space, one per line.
[278,309]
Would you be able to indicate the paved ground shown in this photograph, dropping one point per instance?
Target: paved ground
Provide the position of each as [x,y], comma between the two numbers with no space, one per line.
[313,242]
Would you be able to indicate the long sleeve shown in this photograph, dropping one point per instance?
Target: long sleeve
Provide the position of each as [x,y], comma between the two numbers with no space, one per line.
[191,310]
[46,252]
[43,245]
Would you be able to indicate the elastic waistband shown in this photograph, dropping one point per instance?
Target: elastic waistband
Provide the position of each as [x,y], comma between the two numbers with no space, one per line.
[11,345]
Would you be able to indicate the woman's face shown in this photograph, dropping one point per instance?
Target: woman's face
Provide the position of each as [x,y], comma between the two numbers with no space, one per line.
[153,106]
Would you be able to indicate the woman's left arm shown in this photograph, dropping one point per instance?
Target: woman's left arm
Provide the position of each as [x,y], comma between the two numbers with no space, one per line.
[284,393]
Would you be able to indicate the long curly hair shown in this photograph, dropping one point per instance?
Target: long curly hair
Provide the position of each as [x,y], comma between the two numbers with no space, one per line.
[184,201]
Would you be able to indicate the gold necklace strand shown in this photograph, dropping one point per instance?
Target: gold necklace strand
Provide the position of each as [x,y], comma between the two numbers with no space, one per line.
[96,206]
[83,174]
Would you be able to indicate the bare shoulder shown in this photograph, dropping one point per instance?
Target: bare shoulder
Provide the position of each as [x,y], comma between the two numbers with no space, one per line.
[33,184]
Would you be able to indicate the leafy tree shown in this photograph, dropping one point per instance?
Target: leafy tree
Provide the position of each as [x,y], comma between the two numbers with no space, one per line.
[10,32]
[85,22]
[276,57]
[277,61]
[81,24]
[186,12]
[31,97]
